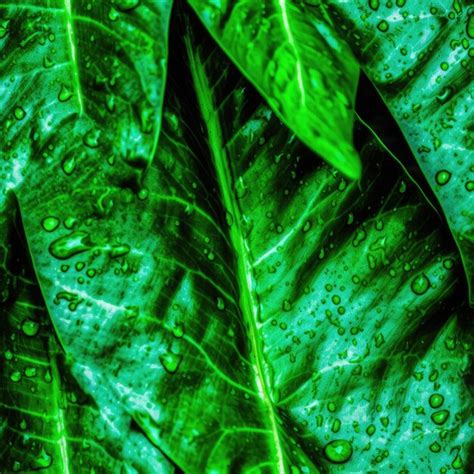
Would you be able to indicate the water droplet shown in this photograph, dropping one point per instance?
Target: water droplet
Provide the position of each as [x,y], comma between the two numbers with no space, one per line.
[30,327]
[469,186]
[220,303]
[15,376]
[50,223]
[374,4]
[440,417]
[68,164]
[286,305]
[43,460]
[65,93]
[420,284]
[338,451]
[126,5]
[69,245]
[436,400]
[435,447]
[119,250]
[307,226]
[170,361]
[470,26]
[383,26]
[19,113]
[442,177]
[91,138]
[178,330]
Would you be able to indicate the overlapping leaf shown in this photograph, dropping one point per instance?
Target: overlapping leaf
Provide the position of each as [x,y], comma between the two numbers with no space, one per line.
[249,309]
[48,423]
[419,56]
[290,51]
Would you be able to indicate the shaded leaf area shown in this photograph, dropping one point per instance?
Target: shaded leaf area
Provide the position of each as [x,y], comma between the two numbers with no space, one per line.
[249,308]
[291,53]
[48,423]
[81,84]
[419,56]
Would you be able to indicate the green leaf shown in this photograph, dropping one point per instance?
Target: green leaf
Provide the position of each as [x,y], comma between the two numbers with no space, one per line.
[291,54]
[47,422]
[249,308]
[81,85]
[419,56]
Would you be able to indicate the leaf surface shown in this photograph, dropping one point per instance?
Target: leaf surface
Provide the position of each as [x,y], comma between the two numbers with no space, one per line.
[81,85]
[48,423]
[248,308]
[308,75]
[419,56]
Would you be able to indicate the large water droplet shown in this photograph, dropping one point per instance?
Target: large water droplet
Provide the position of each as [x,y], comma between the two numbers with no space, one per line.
[69,245]
[338,451]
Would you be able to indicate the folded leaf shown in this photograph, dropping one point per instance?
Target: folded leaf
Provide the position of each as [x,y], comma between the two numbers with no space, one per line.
[419,56]
[248,308]
[308,75]
[81,85]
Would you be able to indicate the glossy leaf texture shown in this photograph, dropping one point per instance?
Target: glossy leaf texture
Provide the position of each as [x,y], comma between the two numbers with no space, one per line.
[48,423]
[419,56]
[292,54]
[81,84]
[244,305]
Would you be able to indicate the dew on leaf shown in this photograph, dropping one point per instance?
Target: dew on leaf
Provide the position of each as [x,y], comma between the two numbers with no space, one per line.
[220,303]
[170,361]
[119,250]
[338,451]
[440,417]
[68,164]
[383,26]
[435,447]
[286,305]
[15,376]
[69,245]
[374,4]
[436,400]
[29,327]
[469,186]
[64,94]
[420,284]
[19,113]
[50,223]
[442,177]
[470,26]
[126,5]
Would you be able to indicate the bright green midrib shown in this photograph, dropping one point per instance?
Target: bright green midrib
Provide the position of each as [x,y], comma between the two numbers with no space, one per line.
[248,304]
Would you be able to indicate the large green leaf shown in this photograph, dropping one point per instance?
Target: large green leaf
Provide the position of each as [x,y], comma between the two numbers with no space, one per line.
[419,56]
[247,307]
[81,85]
[290,51]
[47,422]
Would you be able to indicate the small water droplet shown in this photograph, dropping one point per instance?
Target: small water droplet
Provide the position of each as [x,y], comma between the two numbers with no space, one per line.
[69,245]
[19,113]
[383,26]
[171,361]
[420,284]
[442,177]
[65,93]
[440,417]
[50,223]
[126,5]
[29,327]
